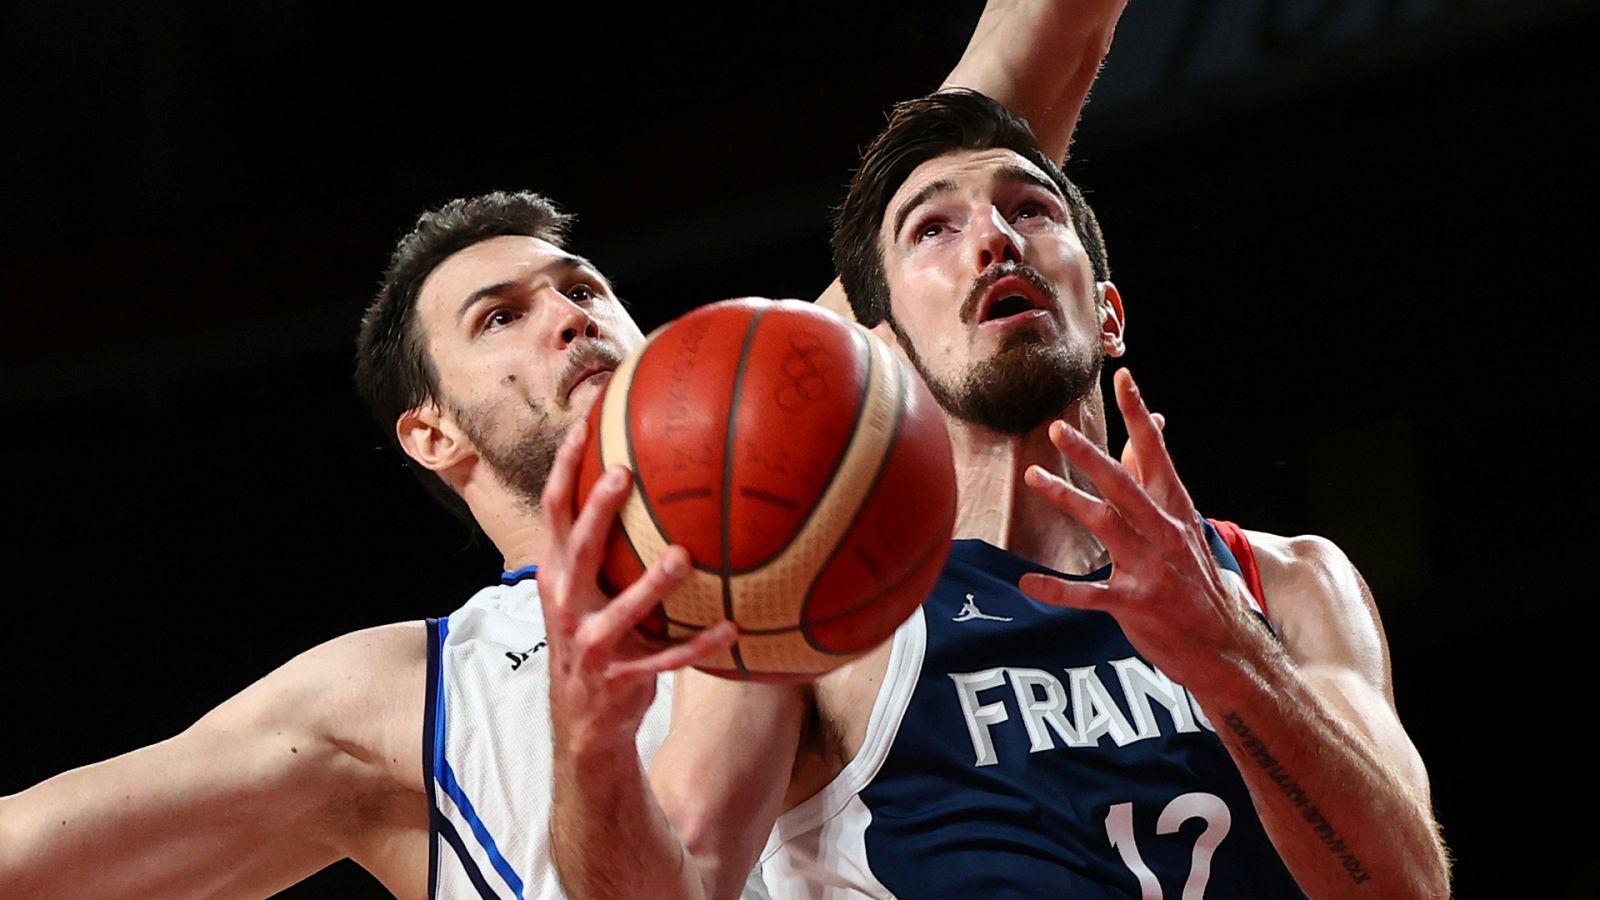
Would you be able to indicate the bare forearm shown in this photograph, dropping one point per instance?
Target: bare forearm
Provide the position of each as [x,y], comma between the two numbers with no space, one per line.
[1039,58]
[146,825]
[609,836]
[1344,820]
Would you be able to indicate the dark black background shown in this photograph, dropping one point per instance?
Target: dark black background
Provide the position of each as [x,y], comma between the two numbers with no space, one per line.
[1359,285]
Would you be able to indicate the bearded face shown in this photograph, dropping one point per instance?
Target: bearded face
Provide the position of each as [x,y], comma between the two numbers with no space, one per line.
[1025,383]
[520,458]
[992,295]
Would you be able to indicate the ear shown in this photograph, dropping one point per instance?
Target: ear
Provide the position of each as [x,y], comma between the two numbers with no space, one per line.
[1112,322]
[432,438]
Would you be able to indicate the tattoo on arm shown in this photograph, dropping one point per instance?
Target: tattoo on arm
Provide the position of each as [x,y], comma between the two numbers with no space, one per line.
[1297,795]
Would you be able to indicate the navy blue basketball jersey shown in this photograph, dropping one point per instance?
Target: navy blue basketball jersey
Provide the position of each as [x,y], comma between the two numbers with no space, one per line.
[1018,749]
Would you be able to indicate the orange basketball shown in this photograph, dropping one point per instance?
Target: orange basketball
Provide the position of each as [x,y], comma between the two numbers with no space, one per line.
[799,460]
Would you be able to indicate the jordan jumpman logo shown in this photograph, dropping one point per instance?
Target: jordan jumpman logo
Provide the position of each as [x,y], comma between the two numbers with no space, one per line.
[970,611]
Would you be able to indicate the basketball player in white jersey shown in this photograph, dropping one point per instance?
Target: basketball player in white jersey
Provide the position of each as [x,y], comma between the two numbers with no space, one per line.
[420,750]
[1011,740]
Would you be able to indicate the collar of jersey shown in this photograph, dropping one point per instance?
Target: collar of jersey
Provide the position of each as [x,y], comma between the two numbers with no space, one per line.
[522,574]
[985,555]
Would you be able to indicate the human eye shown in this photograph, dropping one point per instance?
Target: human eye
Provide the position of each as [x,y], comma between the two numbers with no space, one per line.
[581,293]
[500,317]
[929,229]
[1038,209]
[1037,206]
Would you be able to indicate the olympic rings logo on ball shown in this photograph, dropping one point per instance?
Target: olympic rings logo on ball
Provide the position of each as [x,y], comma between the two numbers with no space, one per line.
[806,382]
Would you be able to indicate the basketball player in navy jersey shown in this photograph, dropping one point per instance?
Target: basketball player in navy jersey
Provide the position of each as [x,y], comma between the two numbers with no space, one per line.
[1107,695]
[420,749]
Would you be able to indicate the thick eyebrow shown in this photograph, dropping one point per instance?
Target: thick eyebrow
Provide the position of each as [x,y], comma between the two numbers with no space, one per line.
[1007,173]
[564,262]
[1015,173]
[919,198]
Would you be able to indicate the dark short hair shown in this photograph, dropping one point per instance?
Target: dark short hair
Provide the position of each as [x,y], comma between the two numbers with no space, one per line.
[919,130]
[394,372]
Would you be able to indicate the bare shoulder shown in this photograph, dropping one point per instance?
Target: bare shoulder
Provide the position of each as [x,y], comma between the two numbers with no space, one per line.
[362,692]
[1321,605]
[370,654]
[1305,562]
[1328,621]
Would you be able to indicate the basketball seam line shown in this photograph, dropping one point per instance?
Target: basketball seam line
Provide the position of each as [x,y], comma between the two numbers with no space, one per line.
[730,440]
[838,464]
[899,376]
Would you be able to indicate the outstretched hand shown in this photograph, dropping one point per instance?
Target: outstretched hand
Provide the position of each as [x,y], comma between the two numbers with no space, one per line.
[1165,589]
[602,668]
[1130,453]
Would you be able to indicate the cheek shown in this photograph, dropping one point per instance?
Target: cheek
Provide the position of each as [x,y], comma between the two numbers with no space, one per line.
[932,338]
[1068,257]
[510,378]
[925,287]
[464,383]
[621,328]
[631,339]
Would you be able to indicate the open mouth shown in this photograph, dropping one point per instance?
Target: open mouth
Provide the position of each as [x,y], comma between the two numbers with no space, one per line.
[1009,298]
[1006,307]
[598,375]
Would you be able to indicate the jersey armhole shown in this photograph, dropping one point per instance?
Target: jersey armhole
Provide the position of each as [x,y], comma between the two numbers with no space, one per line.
[900,678]
[1239,546]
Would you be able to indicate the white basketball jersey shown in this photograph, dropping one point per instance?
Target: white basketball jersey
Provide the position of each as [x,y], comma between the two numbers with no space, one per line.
[487,746]
[486,742]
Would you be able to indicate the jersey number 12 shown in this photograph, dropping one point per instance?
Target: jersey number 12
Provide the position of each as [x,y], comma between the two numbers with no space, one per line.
[1209,808]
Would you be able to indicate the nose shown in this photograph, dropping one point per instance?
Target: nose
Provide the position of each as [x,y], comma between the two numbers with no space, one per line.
[569,321]
[992,239]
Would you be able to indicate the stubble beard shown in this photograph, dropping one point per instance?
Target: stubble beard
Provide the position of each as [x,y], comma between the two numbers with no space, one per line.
[1028,381]
[522,463]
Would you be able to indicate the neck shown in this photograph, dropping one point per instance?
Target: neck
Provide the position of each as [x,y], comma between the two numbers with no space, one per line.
[512,524]
[995,505]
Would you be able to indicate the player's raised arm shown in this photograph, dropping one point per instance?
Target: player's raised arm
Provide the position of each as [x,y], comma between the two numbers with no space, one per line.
[610,836]
[1376,827]
[715,788]
[1310,723]
[261,792]
[1039,58]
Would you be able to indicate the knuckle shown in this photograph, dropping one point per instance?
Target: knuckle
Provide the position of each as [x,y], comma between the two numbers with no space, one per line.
[1103,514]
[590,642]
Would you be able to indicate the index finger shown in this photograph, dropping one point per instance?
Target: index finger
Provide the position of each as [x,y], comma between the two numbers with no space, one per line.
[1150,447]
[1116,484]
[556,500]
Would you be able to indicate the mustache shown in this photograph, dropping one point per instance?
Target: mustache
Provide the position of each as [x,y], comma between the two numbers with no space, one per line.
[969,306]
[588,355]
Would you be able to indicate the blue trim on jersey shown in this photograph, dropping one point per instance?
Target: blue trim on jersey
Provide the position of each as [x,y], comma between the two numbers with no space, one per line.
[522,574]
[480,831]
[453,838]
[430,703]
[446,778]
[441,631]
[1220,550]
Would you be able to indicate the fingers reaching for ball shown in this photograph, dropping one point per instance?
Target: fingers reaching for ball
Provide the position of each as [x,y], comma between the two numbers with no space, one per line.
[556,502]
[696,651]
